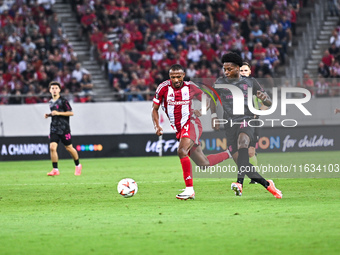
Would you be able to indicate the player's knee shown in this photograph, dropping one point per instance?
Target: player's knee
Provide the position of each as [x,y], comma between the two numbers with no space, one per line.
[53,148]
[243,142]
[69,148]
[182,153]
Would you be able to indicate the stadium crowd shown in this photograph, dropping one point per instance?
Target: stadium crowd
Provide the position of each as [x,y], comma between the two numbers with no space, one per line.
[327,83]
[151,36]
[34,50]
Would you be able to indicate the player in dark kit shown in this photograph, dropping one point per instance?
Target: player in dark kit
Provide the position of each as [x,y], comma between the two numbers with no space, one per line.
[239,129]
[60,128]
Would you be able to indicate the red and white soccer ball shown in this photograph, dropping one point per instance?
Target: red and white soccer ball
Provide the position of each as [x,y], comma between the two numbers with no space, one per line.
[127,187]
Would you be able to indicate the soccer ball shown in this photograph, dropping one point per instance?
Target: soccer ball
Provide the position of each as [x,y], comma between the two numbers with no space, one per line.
[127,187]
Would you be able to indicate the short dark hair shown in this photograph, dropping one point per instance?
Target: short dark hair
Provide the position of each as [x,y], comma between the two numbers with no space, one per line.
[232,57]
[52,83]
[246,64]
[176,67]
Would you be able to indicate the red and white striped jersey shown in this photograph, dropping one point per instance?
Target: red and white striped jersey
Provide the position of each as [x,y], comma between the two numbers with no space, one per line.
[177,103]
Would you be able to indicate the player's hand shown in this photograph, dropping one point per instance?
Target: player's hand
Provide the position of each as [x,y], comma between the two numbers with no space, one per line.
[262,96]
[159,130]
[54,113]
[214,124]
[198,113]
[47,115]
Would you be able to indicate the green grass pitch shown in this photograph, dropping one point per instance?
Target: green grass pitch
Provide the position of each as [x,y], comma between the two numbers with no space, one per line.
[84,214]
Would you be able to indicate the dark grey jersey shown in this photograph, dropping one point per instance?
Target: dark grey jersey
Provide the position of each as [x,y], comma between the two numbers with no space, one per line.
[60,124]
[227,97]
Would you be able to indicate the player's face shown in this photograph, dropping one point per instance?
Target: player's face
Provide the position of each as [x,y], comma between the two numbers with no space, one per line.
[55,90]
[245,70]
[177,77]
[231,70]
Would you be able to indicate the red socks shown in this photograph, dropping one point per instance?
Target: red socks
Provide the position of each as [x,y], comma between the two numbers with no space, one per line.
[217,158]
[187,171]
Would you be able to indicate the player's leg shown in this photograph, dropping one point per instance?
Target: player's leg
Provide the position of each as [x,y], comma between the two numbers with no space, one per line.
[67,141]
[54,159]
[185,144]
[54,140]
[197,155]
[252,159]
[246,168]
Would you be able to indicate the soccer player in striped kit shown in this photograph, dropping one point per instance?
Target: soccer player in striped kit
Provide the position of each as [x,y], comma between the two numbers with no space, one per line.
[175,96]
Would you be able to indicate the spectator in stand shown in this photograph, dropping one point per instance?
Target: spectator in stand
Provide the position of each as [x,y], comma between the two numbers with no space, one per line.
[31,27]
[178,26]
[28,44]
[273,55]
[258,51]
[335,38]
[124,80]
[78,72]
[194,54]
[335,70]
[328,59]
[157,55]
[333,50]
[74,86]
[114,69]
[246,55]
[95,38]
[191,71]
[257,33]
[226,23]
[86,87]
[16,95]
[210,53]
[323,70]
[322,87]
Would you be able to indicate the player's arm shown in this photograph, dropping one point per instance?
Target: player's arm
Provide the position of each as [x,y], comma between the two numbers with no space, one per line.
[264,97]
[155,119]
[261,94]
[66,114]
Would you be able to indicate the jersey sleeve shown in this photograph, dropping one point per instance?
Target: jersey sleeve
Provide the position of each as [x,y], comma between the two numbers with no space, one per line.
[159,95]
[195,92]
[67,106]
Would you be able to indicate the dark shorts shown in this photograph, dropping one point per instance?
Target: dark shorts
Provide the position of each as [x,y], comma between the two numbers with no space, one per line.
[232,134]
[66,139]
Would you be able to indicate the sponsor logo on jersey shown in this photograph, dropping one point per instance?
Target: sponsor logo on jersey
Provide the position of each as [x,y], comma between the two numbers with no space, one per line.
[184,102]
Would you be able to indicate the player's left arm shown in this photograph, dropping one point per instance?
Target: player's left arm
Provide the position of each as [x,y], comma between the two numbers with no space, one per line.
[261,94]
